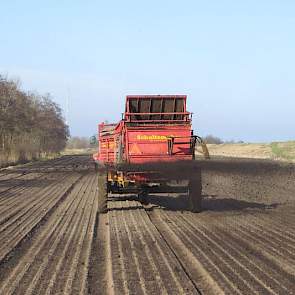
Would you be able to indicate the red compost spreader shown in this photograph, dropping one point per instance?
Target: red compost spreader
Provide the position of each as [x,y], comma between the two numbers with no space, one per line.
[151,150]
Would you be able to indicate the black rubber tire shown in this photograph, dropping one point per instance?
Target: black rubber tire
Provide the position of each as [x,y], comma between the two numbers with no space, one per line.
[143,197]
[109,187]
[102,193]
[195,192]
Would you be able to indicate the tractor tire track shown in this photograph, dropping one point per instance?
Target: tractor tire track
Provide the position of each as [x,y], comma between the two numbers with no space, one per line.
[142,262]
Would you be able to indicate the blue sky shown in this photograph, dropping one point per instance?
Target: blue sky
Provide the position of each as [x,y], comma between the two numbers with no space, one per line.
[234,59]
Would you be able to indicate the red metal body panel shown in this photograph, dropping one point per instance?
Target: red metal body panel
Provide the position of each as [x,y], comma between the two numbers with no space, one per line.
[150,143]
[106,145]
[155,128]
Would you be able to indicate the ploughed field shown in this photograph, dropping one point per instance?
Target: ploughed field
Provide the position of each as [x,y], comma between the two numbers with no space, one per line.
[53,241]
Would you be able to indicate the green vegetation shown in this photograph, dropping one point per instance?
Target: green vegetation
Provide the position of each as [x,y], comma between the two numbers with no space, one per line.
[284,150]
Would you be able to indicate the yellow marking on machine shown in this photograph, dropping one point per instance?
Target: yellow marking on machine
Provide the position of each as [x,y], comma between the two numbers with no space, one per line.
[119,178]
[154,137]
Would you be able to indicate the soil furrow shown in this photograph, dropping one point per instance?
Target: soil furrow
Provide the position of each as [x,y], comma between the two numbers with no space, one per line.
[118,258]
[69,272]
[53,241]
[32,217]
[23,229]
[67,230]
[222,271]
[169,267]
[80,285]
[31,198]
[48,234]
[137,255]
[254,267]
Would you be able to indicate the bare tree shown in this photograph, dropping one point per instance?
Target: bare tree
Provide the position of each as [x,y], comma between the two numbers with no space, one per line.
[213,139]
[31,125]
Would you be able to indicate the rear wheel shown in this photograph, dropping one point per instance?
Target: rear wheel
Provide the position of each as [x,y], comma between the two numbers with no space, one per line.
[102,193]
[195,192]
[143,197]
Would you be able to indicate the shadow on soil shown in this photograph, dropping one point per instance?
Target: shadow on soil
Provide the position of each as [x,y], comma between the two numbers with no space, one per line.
[180,203]
[213,203]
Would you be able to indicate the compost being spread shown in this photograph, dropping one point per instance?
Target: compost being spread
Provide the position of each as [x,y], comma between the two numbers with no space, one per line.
[149,150]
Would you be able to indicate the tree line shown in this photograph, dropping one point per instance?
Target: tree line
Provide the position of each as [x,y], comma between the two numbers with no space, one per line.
[31,125]
[211,139]
[77,142]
